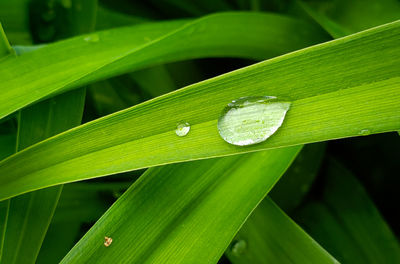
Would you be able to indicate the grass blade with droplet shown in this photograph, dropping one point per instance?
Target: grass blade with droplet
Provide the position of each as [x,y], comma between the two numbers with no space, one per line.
[337,89]
[112,52]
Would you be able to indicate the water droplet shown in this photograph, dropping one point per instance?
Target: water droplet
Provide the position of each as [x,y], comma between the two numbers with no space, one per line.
[251,120]
[182,129]
[238,247]
[365,132]
[92,38]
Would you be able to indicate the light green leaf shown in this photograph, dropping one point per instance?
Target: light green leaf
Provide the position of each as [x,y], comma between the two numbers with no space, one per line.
[338,89]
[7,147]
[80,204]
[270,236]
[117,51]
[30,214]
[183,213]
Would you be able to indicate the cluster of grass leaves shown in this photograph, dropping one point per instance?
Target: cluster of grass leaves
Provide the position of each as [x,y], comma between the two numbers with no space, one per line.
[95,88]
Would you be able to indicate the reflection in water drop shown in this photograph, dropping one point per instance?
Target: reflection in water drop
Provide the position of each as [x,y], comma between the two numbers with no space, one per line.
[238,247]
[182,129]
[251,120]
[365,132]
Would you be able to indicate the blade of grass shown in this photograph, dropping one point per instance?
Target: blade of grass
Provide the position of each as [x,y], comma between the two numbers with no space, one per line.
[298,178]
[117,51]
[338,89]
[183,213]
[272,237]
[342,17]
[347,223]
[7,147]
[14,16]
[30,214]
[80,205]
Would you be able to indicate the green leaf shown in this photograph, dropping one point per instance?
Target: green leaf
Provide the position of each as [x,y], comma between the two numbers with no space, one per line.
[338,89]
[183,213]
[5,48]
[298,178]
[15,18]
[342,17]
[271,236]
[7,147]
[30,214]
[4,209]
[80,204]
[117,51]
[347,223]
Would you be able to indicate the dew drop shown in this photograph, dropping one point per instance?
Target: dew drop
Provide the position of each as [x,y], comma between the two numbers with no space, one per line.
[251,120]
[364,132]
[92,38]
[182,129]
[238,247]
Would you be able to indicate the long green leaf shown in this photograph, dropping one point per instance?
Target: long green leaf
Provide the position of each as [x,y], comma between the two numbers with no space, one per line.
[183,213]
[298,178]
[30,214]
[270,236]
[15,18]
[347,223]
[338,89]
[113,52]
[79,205]
[7,147]
[343,17]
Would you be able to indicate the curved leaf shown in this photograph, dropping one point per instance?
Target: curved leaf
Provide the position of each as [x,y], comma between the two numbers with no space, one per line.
[272,237]
[183,213]
[339,89]
[72,63]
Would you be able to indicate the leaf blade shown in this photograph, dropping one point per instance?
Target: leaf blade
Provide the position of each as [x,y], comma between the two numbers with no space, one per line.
[167,211]
[125,49]
[324,106]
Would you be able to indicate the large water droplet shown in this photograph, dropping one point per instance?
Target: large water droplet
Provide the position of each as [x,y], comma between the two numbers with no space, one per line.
[251,120]
[238,247]
[182,129]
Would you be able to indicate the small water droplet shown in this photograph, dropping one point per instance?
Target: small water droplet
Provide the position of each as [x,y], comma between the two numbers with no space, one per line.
[251,120]
[92,38]
[238,247]
[182,129]
[364,132]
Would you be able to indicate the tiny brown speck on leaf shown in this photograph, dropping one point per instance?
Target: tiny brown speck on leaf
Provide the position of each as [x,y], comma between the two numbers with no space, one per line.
[107,241]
